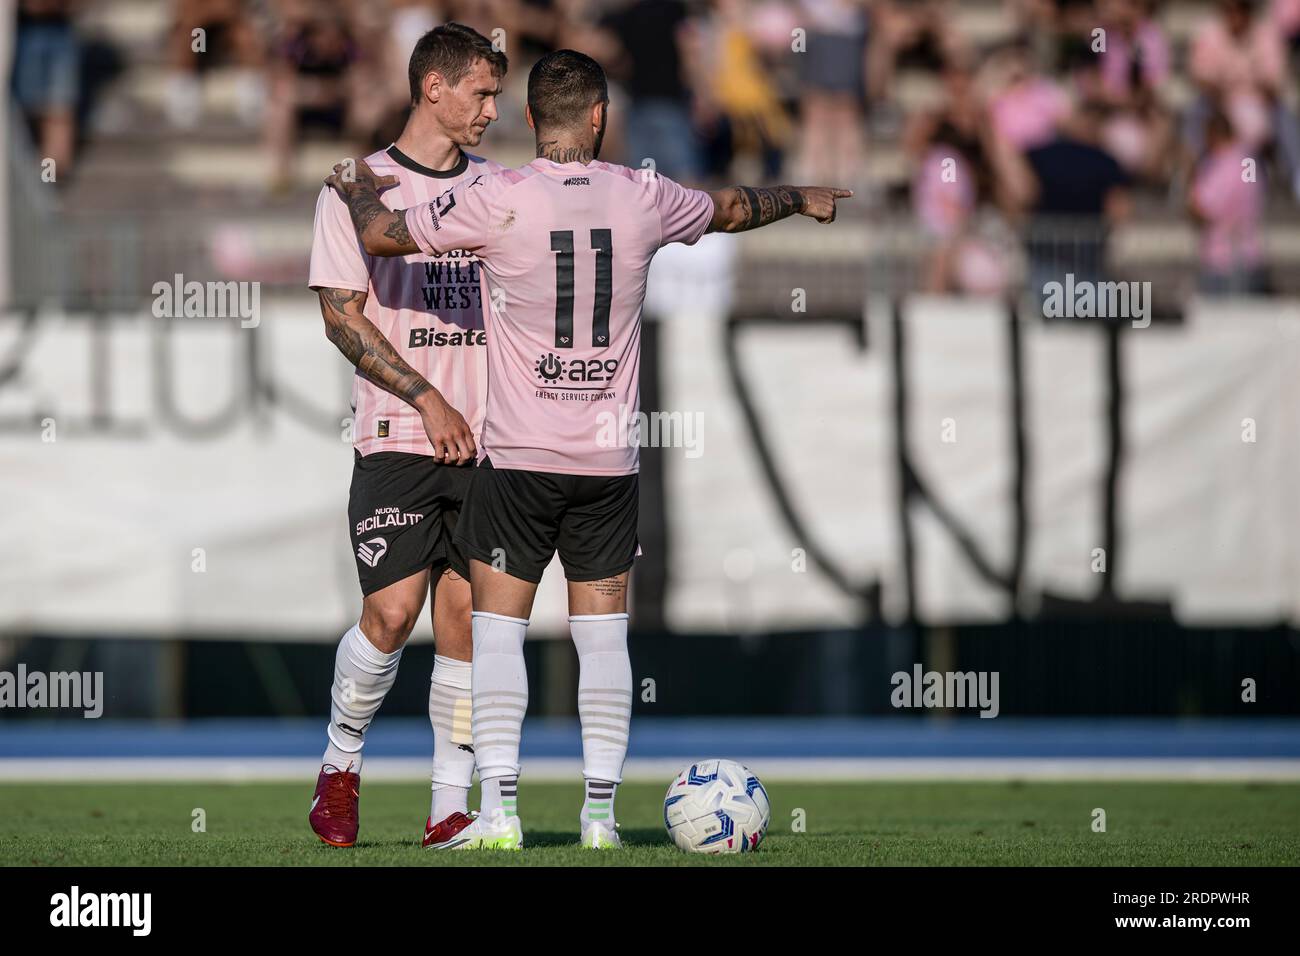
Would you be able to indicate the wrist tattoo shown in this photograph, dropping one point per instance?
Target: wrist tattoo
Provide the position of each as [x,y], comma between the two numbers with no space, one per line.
[761,206]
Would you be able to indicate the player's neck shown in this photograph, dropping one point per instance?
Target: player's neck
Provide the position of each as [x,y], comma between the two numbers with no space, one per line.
[428,145]
[564,149]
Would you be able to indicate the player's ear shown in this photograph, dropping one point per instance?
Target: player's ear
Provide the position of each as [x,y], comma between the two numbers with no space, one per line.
[432,86]
[599,114]
[528,115]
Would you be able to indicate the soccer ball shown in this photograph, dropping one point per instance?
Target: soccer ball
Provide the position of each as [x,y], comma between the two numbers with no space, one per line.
[716,806]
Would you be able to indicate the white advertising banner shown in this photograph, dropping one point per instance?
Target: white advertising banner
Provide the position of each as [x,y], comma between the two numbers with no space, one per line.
[190,477]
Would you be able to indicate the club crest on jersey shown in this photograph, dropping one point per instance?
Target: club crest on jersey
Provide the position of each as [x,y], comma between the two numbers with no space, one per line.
[370,552]
[382,430]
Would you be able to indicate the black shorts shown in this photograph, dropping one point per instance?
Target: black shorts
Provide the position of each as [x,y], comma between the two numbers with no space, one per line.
[402,513]
[517,520]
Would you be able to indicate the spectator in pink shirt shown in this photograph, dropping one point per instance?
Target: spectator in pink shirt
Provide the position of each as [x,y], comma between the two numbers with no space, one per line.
[1239,62]
[1227,202]
[960,165]
[1127,76]
[1136,58]
[1025,107]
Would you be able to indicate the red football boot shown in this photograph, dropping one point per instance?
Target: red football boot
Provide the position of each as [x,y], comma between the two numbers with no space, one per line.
[334,813]
[444,835]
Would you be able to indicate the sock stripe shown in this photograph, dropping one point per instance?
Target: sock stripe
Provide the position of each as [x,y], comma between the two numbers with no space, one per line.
[448,699]
[600,712]
[484,723]
[493,694]
[599,805]
[618,741]
[447,706]
[605,725]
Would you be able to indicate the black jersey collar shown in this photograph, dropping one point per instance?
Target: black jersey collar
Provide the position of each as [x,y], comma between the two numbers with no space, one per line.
[402,159]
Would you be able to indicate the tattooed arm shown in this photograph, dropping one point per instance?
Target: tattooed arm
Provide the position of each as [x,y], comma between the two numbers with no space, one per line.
[365,346]
[747,207]
[382,231]
[375,358]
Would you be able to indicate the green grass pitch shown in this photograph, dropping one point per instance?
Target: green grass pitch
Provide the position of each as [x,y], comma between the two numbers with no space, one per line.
[935,824]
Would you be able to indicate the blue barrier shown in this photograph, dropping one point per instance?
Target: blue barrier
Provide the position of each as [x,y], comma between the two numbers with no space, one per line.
[671,737]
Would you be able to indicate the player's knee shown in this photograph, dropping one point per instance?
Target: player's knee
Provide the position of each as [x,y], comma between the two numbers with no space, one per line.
[453,632]
[460,605]
[388,626]
[455,639]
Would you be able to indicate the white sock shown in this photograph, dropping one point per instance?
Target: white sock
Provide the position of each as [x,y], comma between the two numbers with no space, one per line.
[363,675]
[599,803]
[500,793]
[500,693]
[604,707]
[453,755]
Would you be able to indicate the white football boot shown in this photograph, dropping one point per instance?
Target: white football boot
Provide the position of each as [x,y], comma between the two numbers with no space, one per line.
[493,832]
[601,836]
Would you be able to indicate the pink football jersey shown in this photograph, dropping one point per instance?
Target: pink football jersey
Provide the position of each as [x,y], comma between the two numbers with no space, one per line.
[429,307]
[565,250]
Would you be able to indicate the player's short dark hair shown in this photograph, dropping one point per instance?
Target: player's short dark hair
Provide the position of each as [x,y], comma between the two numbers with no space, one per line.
[562,86]
[451,50]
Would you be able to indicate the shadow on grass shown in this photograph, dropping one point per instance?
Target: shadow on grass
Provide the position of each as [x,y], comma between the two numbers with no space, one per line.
[635,837]
[645,837]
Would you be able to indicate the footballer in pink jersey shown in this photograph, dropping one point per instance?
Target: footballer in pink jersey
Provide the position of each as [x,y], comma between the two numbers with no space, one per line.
[565,245]
[413,327]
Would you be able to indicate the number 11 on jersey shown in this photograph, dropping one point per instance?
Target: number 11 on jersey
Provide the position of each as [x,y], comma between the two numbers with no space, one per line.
[602,242]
